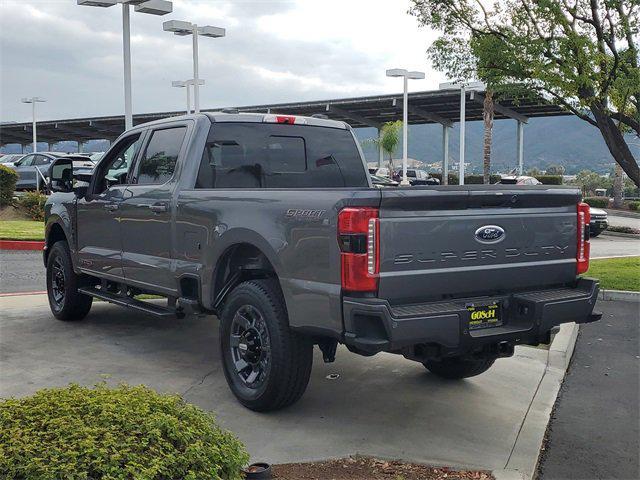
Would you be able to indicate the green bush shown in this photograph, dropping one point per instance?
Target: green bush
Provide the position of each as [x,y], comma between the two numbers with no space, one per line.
[468,179]
[634,206]
[113,433]
[549,179]
[452,177]
[32,203]
[597,202]
[8,179]
[479,179]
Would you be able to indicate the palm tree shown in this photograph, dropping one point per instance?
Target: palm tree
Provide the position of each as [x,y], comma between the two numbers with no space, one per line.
[388,140]
[487,115]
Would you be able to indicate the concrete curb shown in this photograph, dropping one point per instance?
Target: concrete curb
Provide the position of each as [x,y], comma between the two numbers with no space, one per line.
[21,245]
[523,461]
[607,233]
[621,295]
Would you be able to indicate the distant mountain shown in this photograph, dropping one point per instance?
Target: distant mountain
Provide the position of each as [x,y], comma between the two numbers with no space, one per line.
[566,141]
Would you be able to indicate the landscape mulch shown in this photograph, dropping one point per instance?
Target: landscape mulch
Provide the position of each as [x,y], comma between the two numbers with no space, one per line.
[363,468]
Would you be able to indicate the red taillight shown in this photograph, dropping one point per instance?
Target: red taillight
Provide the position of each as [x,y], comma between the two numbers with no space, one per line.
[584,246]
[358,237]
[285,119]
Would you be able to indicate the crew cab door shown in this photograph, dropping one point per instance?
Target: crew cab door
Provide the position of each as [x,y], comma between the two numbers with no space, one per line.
[98,223]
[146,212]
[26,172]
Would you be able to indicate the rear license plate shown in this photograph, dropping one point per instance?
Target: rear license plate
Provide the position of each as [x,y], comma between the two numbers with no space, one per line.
[484,316]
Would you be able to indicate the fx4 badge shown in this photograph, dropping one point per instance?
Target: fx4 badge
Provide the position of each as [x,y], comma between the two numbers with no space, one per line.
[490,234]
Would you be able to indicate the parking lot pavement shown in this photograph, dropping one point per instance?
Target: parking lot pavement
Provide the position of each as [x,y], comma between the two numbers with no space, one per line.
[594,429]
[620,221]
[21,271]
[383,405]
[610,246]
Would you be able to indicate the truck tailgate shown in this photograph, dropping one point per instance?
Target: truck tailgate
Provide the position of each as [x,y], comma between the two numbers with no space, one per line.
[433,243]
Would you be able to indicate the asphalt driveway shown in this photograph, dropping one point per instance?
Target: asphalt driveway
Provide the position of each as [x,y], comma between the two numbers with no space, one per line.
[594,431]
[383,405]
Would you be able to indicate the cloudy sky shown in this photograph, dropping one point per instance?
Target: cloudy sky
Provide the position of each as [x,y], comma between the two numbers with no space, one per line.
[274,51]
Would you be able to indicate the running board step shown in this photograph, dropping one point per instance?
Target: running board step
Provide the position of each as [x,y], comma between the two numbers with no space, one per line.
[129,302]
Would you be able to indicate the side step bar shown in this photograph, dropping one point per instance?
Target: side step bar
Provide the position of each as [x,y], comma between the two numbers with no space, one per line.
[129,302]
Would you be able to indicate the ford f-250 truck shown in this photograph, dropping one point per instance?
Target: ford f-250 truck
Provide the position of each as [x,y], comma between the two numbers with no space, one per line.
[271,223]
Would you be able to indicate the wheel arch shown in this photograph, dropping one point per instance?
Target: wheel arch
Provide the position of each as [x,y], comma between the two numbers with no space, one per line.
[240,261]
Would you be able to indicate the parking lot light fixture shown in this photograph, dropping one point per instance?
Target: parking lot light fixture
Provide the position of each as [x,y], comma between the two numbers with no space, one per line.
[464,87]
[186,84]
[33,101]
[406,75]
[182,28]
[153,7]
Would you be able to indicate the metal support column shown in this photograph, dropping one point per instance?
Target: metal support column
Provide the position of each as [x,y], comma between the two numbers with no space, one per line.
[445,155]
[520,141]
[463,106]
[380,151]
[126,55]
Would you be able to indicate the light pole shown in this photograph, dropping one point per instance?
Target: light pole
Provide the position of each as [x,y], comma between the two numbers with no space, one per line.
[187,84]
[401,72]
[33,101]
[181,28]
[463,86]
[153,7]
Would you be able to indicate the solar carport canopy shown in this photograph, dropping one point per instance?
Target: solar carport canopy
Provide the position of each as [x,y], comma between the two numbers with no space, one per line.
[438,106]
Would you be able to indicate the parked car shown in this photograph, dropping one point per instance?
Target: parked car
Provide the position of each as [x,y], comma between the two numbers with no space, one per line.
[10,158]
[416,177]
[379,181]
[29,165]
[599,222]
[519,180]
[272,223]
[82,163]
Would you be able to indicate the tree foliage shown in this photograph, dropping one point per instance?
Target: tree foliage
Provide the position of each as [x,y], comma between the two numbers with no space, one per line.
[580,54]
[389,140]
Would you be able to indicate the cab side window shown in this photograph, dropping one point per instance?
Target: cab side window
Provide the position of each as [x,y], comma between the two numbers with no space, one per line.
[26,161]
[161,156]
[118,164]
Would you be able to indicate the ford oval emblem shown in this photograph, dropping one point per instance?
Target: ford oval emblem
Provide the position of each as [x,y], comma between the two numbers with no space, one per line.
[490,234]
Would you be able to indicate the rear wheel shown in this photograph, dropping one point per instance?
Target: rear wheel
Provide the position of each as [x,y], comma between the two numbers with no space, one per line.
[455,368]
[65,301]
[266,364]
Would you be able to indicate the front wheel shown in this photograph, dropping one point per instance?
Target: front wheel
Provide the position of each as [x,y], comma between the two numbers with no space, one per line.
[266,364]
[456,368]
[65,301]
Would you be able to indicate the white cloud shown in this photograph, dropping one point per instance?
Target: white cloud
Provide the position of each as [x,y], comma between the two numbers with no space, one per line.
[274,51]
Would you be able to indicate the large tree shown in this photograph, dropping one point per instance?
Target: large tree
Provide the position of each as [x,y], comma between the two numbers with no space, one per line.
[580,54]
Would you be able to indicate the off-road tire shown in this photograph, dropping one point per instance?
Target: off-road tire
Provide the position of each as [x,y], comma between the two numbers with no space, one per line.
[74,305]
[291,354]
[456,368]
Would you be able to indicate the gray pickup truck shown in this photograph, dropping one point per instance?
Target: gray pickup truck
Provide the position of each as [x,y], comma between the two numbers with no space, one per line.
[271,223]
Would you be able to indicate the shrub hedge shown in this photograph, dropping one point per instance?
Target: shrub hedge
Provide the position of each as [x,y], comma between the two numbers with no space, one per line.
[113,433]
[8,179]
[634,206]
[468,179]
[597,202]
[32,203]
[549,179]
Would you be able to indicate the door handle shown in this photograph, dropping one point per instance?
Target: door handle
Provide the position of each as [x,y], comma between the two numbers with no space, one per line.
[158,207]
[111,207]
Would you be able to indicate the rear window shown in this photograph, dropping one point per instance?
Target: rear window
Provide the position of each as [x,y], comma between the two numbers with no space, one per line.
[246,155]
